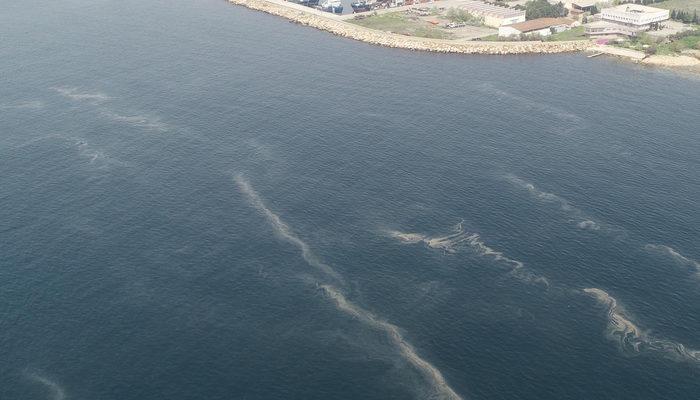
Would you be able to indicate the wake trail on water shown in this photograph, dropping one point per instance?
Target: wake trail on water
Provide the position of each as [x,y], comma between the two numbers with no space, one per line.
[460,239]
[631,339]
[676,256]
[56,391]
[440,386]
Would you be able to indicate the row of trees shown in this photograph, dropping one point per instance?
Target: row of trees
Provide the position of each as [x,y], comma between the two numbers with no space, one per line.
[685,16]
[541,8]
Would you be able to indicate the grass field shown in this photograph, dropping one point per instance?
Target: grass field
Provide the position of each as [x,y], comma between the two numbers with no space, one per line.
[677,46]
[687,5]
[398,22]
[645,43]
[572,34]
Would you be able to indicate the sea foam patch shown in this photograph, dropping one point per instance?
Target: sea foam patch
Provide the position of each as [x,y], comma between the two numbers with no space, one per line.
[441,389]
[631,339]
[459,240]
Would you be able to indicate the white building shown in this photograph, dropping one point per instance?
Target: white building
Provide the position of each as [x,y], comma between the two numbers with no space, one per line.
[634,14]
[627,20]
[540,26]
[494,16]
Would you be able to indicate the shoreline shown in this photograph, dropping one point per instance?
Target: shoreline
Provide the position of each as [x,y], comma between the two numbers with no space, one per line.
[340,27]
[332,24]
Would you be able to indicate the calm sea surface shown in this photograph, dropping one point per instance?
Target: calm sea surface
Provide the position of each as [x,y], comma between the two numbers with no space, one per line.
[198,201]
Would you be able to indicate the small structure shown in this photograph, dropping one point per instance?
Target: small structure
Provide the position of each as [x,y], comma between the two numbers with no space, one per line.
[540,26]
[627,20]
[494,16]
[583,5]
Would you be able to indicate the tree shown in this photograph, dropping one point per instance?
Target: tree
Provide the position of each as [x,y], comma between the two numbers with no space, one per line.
[541,8]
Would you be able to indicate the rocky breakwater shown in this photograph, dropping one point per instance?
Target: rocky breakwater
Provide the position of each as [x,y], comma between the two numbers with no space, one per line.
[330,23]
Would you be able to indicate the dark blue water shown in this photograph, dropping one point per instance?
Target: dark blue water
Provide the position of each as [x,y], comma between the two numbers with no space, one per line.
[198,201]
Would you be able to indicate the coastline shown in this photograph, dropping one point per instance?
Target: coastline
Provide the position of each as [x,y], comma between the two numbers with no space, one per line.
[340,27]
[330,23]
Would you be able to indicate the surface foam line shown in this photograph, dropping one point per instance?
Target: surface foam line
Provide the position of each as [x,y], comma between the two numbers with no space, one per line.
[583,220]
[19,105]
[560,113]
[540,194]
[447,243]
[74,93]
[406,350]
[57,392]
[675,255]
[442,388]
[518,267]
[140,121]
[282,229]
[633,340]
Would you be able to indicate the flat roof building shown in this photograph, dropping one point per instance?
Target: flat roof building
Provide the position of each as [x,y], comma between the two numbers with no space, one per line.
[634,14]
[627,20]
[585,5]
[494,16]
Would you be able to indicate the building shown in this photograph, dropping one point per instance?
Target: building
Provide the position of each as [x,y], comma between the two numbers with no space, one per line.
[583,5]
[540,26]
[494,16]
[634,14]
[627,20]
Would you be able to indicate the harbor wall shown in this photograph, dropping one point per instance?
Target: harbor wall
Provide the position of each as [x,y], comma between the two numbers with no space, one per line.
[331,23]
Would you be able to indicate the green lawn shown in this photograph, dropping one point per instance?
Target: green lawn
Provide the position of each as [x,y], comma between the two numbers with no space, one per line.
[398,22]
[688,5]
[490,38]
[572,34]
[646,43]
[675,47]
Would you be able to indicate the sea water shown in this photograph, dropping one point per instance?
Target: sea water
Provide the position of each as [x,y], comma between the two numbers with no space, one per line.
[198,201]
